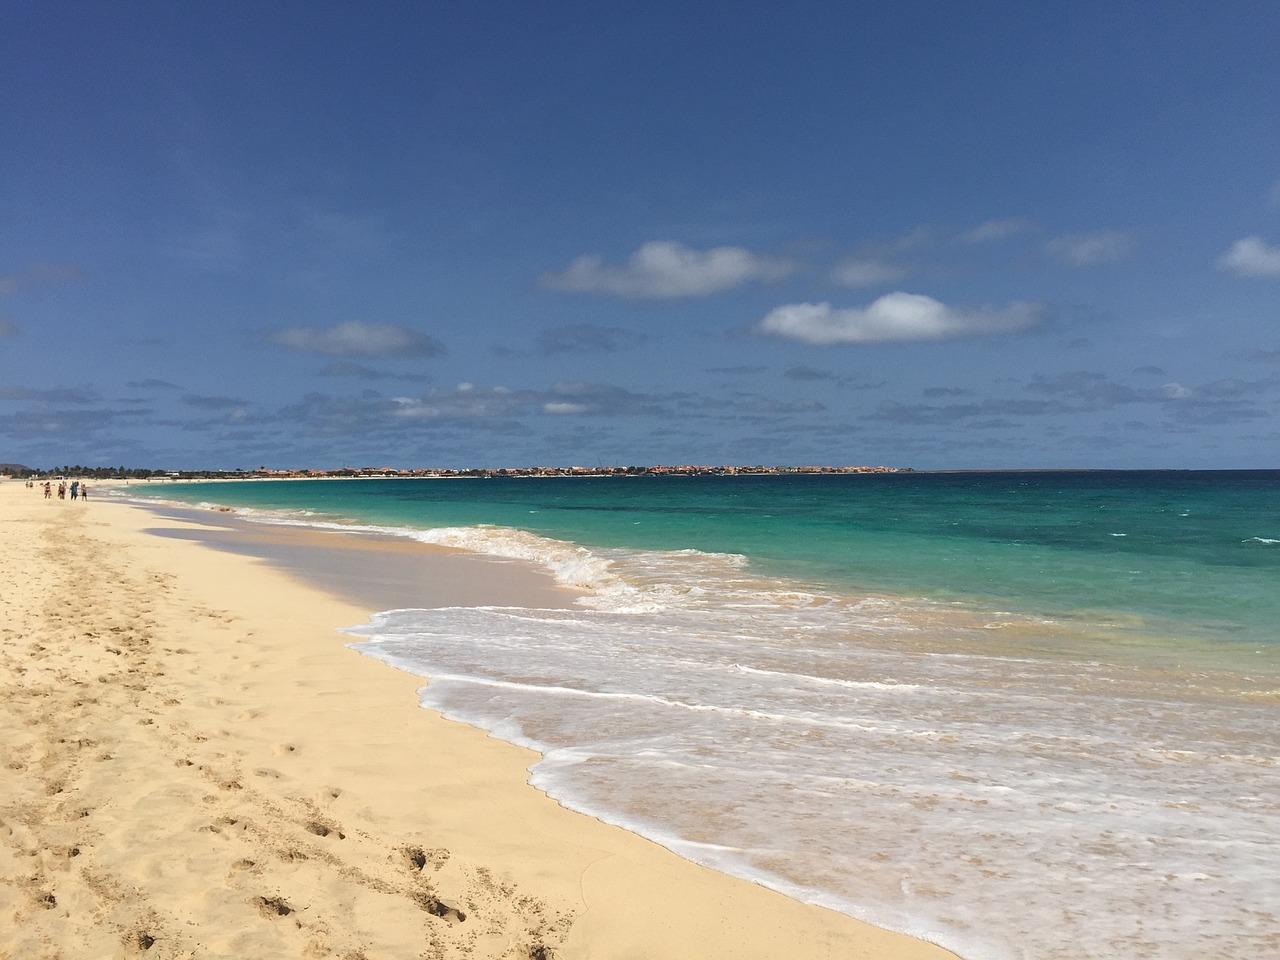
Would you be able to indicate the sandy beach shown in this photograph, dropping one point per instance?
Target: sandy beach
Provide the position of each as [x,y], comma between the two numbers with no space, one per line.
[194,764]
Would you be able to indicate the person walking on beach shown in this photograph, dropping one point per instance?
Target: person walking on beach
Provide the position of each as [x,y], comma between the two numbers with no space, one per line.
[84,492]
[62,490]
[48,490]
[75,489]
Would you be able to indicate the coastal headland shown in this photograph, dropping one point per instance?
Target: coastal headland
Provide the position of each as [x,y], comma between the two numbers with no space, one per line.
[193,763]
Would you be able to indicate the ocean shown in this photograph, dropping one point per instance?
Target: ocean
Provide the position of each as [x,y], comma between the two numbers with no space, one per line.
[1022,715]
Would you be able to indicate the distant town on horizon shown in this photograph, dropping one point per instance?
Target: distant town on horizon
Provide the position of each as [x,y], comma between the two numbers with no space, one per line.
[20,472]
[266,473]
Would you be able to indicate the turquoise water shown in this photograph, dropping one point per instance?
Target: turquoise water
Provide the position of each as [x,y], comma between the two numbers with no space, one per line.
[1195,553]
[914,698]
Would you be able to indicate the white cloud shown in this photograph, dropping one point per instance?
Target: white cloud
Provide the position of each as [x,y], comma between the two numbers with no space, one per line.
[1088,249]
[467,401]
[464,401]
[354,339]
[1251,257]
[1001,229]
[866,273]
[561,407]
[895,317]
[665,269]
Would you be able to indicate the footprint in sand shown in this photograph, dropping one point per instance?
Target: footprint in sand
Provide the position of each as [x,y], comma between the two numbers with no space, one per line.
[323,829]
[227,825]
[438,908]
[418,857]
[271,907]
[222,780]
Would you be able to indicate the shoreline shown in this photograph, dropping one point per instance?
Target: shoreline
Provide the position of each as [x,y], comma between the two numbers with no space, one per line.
[197,765]
[1114,634]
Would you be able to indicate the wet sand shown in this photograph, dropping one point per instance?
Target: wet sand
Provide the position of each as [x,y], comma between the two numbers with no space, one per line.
[373,571]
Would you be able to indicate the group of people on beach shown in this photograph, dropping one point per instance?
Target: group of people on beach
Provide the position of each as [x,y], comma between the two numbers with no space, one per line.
[78,490]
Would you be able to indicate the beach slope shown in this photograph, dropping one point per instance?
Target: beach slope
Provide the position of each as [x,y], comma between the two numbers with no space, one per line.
[194,764]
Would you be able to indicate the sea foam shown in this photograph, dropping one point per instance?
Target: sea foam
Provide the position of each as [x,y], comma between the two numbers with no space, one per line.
[879,756]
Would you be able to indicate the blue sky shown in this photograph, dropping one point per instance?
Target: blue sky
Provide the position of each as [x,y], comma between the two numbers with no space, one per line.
[928,234]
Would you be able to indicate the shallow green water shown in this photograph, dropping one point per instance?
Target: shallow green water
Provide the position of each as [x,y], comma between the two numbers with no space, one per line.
[1188,553]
